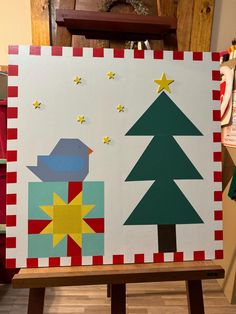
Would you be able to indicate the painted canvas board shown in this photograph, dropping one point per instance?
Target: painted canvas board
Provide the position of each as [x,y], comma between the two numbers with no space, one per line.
[114,156]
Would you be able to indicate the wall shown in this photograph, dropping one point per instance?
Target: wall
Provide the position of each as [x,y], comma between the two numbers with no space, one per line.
[15,25]
[224,24]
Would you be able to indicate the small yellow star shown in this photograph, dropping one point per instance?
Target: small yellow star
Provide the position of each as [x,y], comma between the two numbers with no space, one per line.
[111,75]
[120,108]
[77,80]
[163,83]
[37,104]
[80,119]
[106,140]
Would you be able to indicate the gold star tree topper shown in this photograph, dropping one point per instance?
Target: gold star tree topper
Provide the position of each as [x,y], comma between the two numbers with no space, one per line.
[120,108]
[163,83]
[111,75]
[80,119]
[106,140]
[77,80]
[36,104]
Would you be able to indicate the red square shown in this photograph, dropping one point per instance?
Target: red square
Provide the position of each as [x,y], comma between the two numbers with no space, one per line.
[98,52]
[11,134]
[199,255]
[178,55]
[217,137]
[219,254]
[12,91]
[217,156]
[11,243]
[138,54]
[215,75]
[11,199]
[10,263]
[158,54]
[197,56]
[139,258]
[216,115]
[10,220]
[215,56]
[12,113]
[218,235]
[158,257]
[11,177]
[13,50]
[76,261]
[119,53]
[77,52]
[35,50]
[56,51]
[3,102]
[217,196]
[32,262]
[217,176]
[54,261]
[97,260]
[12,70]
[118,259]
[216,95]
[11,155]
[178,256]
[218,215]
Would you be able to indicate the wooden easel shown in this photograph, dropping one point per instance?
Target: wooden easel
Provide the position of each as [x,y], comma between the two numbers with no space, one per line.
[117,276]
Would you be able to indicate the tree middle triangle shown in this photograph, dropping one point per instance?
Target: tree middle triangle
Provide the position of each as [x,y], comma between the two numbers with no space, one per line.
[163,159]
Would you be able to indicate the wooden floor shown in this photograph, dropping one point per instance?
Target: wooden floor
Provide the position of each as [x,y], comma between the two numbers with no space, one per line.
[151,298]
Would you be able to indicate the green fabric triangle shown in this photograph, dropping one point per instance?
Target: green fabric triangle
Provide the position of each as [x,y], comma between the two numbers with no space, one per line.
[232,188]
[163,159]
[163,117]
[163,204]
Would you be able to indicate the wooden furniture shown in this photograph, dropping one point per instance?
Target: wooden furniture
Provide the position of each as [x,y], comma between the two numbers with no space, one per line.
[193,26]
[105,25]
[118,276]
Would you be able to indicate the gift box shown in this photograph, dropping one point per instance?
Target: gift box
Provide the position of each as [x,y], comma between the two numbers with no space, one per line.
[65,219]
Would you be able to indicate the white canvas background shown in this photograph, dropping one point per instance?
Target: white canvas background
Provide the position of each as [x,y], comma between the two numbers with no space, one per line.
[49,80]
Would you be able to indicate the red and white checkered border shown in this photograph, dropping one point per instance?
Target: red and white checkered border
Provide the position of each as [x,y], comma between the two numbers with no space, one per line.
[12,135]
[118,259]
[217,173]
[58,51]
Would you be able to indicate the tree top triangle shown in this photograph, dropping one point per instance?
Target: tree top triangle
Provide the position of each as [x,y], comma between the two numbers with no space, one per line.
[163,117]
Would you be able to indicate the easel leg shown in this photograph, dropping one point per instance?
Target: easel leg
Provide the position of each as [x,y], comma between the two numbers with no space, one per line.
[195,297]
[118,298]
[36,300]
[108,290]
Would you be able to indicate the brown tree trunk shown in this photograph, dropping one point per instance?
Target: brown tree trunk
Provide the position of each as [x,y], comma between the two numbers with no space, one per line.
[166,238]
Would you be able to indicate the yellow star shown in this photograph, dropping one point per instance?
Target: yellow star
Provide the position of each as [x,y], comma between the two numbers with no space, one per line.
[106,140]
[81,119]
[120,108]
[77,80]
[163,83]
[111,75]
[37,104]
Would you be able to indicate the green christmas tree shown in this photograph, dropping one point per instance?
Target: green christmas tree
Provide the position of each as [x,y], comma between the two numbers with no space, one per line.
[164,161]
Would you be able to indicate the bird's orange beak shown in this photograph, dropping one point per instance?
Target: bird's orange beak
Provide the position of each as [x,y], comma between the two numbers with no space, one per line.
[90,151]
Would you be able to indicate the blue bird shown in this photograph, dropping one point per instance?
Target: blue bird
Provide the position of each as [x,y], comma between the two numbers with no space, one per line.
[69,161]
